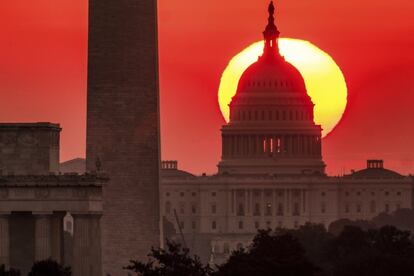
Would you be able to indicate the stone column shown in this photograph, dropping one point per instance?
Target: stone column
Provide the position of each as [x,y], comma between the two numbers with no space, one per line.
[232,146]
[246,203]
[305,145]
[268,147]
[57,237]
[258,146]
[4,239]
[223,147]
[43,233]
[87,245]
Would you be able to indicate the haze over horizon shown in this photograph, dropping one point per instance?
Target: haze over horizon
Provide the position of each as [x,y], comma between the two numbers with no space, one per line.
[43,72]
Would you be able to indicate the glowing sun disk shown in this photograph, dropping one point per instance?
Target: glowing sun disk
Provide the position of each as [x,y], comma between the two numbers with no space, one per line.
[324,80]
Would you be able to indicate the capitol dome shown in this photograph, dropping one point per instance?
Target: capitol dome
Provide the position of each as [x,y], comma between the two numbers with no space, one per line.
[271,74]
[271,129]
[271,80]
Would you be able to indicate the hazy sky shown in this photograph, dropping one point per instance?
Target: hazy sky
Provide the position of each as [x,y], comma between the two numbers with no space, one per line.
[43,71]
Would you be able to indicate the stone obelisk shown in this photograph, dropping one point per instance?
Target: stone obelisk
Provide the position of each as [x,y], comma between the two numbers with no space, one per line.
[123,125]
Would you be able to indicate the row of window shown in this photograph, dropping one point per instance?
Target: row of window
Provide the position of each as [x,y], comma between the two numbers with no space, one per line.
[214,225]
[257,210]
[372,207]
[275,83]
[268,210]
[182,194]
[257,193]
[280,209]
[272,115]
[386,193]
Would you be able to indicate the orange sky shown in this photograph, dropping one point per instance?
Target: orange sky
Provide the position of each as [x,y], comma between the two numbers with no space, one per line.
[43,71]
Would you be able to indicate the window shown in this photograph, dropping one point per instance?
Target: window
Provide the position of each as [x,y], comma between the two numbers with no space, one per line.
[387,208]
[268,224]
[214,225]
[182,208]
[296,209]
[346,193]
[193,208]
[182,194]
[193,194]
[398,193]
[323,194]
[241,225]
[256,209]
[213,208]
[296,224]
[358,193]
[387,193]
[279,224]
[359,208]
[373,207]
[256,224]
[213,194]
[240,209]
[280,209]
[268,209]
[373,193]
[193,225]
[168,207]
[167,194]
[182,225]
[323,208]
[398,206]
[347,208]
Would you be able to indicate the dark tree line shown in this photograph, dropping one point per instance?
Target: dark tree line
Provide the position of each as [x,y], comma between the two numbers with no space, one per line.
[308,251]
[41,268]
[349,248]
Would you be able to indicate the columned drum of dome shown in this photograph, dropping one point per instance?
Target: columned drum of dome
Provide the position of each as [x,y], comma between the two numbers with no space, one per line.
[271,128]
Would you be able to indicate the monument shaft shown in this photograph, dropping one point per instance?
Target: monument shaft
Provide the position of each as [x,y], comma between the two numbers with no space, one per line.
[123,125]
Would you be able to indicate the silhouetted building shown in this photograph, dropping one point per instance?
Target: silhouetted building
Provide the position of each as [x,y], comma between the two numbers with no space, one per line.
[29,148]
[34,198]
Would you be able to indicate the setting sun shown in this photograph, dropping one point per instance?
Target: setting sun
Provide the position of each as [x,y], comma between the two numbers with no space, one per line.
[324,80]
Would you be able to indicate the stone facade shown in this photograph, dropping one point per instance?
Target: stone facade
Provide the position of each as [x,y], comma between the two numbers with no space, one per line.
[123,125]
[31,220]
[218,214]
[29,148]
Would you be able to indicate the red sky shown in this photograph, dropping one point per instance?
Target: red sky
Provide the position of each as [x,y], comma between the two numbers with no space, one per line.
[43,71]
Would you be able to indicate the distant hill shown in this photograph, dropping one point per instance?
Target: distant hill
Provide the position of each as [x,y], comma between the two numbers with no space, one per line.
[77,165]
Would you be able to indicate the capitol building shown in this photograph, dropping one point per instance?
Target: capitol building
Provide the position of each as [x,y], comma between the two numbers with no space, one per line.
[271,173]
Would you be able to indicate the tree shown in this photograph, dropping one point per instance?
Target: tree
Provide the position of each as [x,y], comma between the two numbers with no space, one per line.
[401,218]
[49,268]
[271,254]
[11,272]
[315,240]
[338,226]
[383,252]
[173,261]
